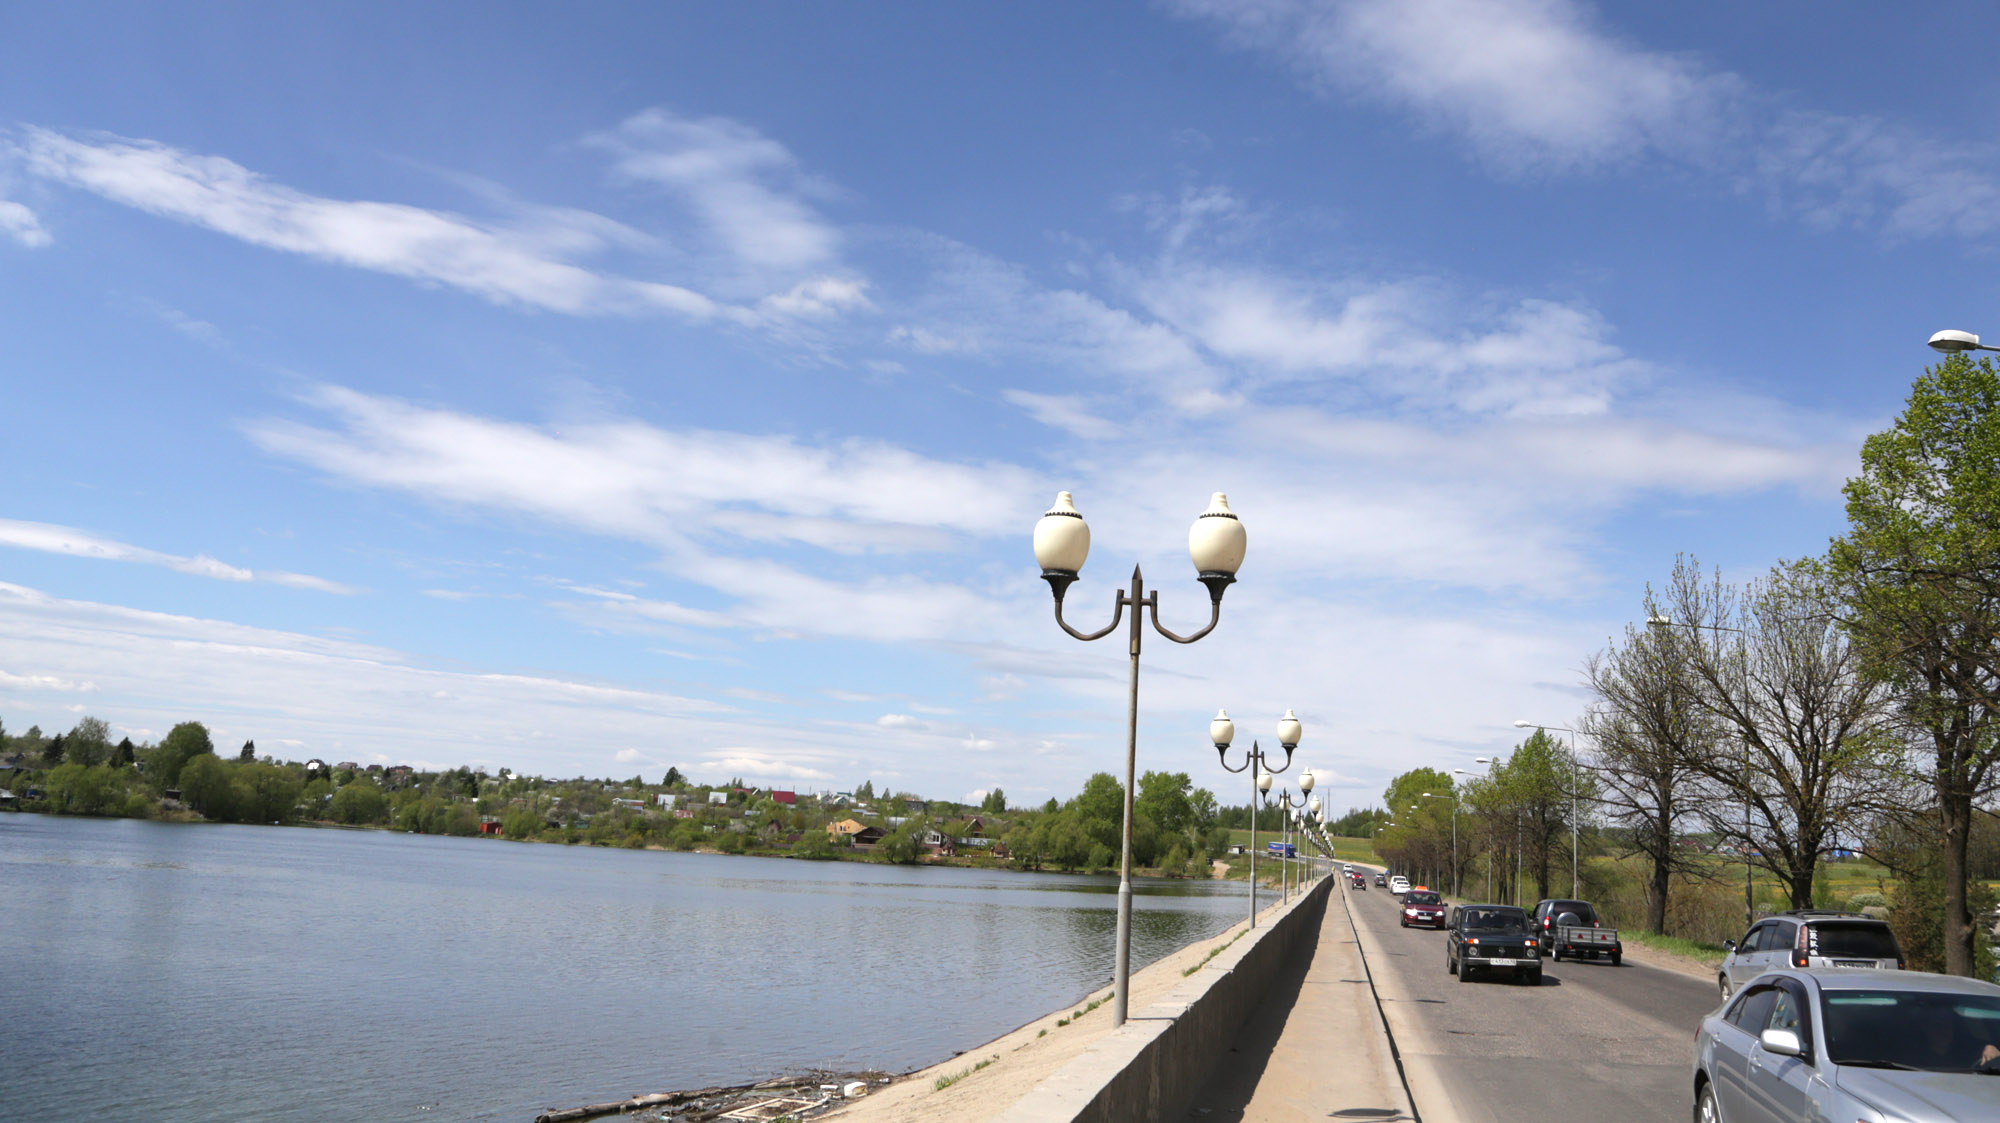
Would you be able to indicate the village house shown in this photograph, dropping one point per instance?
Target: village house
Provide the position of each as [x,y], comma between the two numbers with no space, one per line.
[862,834]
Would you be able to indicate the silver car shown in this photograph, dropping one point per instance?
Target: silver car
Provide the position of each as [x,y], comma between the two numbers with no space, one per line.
[1843,1043]
[1808,938]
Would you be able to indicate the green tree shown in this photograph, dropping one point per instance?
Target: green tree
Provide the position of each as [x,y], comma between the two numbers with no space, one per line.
[359,803]
[52,753]
[124,752]
[208,787]
[89,743]
[673,779]
[995,802]
[79,789]
[183,743]
[247,753]
[902,846]
[1919,574]
[520,823]
[269,794]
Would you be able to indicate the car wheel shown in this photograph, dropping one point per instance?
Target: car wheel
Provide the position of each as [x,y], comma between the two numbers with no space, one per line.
[1556,954]
[1722,984]
[1464,973]
[1450,964]
[1705,1110]
[1617,957]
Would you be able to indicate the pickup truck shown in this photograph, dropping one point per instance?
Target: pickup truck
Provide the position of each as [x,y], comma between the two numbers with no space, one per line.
[1570,929]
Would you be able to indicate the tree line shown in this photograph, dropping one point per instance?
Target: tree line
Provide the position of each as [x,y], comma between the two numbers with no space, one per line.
[1842,702]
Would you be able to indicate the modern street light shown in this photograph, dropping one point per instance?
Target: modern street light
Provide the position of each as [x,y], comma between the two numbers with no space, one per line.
[1284,800]
[1952,342]
[1221,732]
[1216,542]
[1453,797]
[1942,343]
[1574,782]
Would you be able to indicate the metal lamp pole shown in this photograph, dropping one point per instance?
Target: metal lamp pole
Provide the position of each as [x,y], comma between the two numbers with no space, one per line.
[1944,344]
[1062,541]
[1221,732]
[1575,781]
[1305,800]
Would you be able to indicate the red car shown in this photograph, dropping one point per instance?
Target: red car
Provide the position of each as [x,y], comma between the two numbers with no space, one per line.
[1422,908]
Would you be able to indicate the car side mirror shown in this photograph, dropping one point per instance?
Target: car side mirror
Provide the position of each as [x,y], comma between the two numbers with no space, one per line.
[1729,945]
[1783,1042]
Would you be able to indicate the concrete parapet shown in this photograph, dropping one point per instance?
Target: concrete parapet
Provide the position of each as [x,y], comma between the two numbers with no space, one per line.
[1149,1067]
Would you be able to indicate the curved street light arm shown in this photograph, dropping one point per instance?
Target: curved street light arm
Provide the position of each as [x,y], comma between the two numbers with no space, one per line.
[1214,617]
[1117,615]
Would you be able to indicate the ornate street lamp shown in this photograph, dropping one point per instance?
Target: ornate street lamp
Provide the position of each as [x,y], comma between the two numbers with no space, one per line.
[1221,732]
[1284,800]
[1216,542]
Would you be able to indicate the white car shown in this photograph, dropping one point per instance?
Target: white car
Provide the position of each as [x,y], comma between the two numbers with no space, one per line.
[1399,885]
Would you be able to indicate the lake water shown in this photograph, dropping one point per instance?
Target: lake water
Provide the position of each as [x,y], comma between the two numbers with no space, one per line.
[182,973]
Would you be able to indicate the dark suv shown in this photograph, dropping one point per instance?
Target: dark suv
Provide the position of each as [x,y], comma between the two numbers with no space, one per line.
[1491,938]
[1808,938]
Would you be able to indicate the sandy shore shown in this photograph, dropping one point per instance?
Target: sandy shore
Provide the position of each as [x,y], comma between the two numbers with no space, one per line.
[1016,1062]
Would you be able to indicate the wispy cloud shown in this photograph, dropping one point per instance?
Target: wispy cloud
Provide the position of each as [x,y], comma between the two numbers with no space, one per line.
[667,487]
[22,225]
[493,262]
[1543,87]
[52,539]
[746,187]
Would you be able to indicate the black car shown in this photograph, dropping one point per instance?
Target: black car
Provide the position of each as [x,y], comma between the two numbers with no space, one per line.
[1491,938]
[1381,879]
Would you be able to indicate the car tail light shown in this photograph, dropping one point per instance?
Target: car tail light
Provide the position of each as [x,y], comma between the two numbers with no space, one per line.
[1799,958]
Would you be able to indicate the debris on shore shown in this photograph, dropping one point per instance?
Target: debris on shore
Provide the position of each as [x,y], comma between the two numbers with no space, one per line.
[787,1097]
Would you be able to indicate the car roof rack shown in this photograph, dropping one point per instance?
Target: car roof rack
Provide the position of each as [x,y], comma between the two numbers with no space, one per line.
[1810,914]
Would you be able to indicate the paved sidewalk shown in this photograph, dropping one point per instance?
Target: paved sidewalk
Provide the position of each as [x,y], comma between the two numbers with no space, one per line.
[1316,1047]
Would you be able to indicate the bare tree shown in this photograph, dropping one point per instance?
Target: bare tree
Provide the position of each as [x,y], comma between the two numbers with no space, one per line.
[1777,670]
[1649,724]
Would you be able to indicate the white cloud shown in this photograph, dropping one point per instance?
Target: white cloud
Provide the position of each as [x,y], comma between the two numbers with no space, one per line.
[44,682]
[666,487]
[744,185]
[899,721]
[1067,412]
[489,261]
[22,225]
[52,539]
[1542,86]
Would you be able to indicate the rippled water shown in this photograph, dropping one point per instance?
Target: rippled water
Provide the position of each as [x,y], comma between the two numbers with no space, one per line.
[177,973]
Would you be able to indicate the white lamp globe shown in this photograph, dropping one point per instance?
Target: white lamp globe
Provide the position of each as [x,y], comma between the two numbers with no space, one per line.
[1217,540]
[1062,540]
[1263,781]
[1314,805]
[1306,781]
[1289,730]
[1221,731]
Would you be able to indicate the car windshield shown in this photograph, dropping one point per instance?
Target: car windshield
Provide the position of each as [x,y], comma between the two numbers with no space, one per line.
[1850,940]
[1933,1032]
[1481,920]
[1422,899]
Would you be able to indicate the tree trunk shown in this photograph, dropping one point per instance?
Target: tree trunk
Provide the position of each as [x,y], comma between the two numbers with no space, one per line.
[1955,808]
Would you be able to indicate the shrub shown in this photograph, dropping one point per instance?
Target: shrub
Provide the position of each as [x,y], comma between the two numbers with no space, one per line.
[1865,900]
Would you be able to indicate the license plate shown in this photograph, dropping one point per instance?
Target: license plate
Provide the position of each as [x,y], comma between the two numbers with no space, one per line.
[1500,962]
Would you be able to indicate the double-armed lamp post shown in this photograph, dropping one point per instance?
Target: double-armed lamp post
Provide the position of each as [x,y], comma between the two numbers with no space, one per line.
[1216,542]
[1221,732]
[1284,800]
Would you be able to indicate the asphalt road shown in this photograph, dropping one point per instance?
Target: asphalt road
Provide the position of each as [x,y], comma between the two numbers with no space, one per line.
[1592,1043]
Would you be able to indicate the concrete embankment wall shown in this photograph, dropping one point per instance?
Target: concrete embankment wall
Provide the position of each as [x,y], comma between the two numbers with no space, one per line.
[1149,1067]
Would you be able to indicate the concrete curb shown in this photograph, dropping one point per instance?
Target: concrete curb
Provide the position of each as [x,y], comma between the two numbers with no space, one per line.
[1149,1067]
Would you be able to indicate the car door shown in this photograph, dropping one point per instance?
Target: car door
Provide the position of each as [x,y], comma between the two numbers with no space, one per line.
[1776,1086]
[1742,965]
[1735,1042]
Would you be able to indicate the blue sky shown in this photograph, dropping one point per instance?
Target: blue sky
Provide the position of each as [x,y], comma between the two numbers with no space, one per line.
[592,390]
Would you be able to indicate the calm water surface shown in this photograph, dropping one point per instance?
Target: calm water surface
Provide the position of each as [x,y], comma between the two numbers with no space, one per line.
[178,973]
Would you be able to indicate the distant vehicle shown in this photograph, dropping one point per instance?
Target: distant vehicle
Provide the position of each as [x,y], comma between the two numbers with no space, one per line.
[1399,885]
[1282,849]
[1807,938]
[1492,938]
[1569,928]
[1357,881]
[1425,909]
[1380,881]
[1841,1043]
